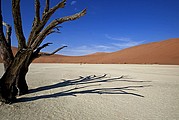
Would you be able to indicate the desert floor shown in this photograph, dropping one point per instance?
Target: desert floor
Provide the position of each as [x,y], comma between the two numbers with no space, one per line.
[72,92]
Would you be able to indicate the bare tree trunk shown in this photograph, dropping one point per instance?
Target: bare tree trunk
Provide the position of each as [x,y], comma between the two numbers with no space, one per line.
[13,81]
[21,83]
[13,75]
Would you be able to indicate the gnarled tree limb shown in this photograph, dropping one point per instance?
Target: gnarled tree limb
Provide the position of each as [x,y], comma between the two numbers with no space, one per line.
[50,12]
[37,13]
[5,49]
[16,67]
[37,51]
[41,47]
[49,54]
[18,24]
[8,33]
[36,22]
[53,24]
[45,17]
[46,6]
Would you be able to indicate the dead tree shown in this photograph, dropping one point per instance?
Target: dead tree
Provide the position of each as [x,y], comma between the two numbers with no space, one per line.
[16,66]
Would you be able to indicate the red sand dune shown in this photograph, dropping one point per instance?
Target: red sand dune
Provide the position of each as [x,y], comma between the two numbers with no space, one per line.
[163,52]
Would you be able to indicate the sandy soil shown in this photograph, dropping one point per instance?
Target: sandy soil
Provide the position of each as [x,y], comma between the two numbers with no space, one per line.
[68,92]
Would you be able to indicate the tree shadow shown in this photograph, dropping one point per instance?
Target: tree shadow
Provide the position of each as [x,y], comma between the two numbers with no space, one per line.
[85,84]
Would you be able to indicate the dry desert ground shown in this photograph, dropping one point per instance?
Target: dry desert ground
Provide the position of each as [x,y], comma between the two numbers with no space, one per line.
[97,92]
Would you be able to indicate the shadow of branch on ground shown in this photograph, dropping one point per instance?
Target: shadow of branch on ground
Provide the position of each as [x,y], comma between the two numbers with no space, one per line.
[86,82]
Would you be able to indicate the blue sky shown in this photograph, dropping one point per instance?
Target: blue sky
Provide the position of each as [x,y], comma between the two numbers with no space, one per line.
[108,26]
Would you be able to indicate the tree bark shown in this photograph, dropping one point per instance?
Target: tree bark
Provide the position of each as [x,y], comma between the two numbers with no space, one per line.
[21,83]
[13,81]
[14,77]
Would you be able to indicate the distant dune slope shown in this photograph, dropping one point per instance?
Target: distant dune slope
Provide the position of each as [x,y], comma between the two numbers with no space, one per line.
[163,52]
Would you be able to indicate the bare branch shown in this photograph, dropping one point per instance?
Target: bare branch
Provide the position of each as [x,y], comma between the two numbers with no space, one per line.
[8,33]
[37,53]
[57,28]
[40,48]
[37,12]
[50,32]
[18,24]
[53,31]
[49,54]
[3,42]
[5,49]
[53,24]
[45,17]
[36,21]
[2,37]
[50,12]
[46,7]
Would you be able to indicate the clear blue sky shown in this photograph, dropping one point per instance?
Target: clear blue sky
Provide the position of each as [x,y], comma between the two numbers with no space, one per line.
[108,26]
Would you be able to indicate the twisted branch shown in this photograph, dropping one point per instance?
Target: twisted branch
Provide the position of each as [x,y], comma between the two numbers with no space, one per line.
[46,7]
[37,13]
[53,24]
[49,13]
[49,54]
[5,49]
[8,33]
[37,53]
[45,17]
[18,24]
[41,47]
